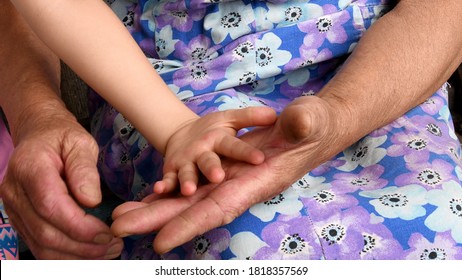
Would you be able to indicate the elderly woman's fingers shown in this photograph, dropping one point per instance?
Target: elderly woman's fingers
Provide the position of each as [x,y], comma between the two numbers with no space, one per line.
[132,218]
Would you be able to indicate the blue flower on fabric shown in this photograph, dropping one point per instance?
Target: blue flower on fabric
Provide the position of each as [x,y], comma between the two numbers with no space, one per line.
[404,202]
[245,244]
[365,153]
[208,246]
[269,58]
[286,203]
[448,215]
[232,19]
[289,238]
[442,248]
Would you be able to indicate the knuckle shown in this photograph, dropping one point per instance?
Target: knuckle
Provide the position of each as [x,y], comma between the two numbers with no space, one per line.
[46,236]
[46,205]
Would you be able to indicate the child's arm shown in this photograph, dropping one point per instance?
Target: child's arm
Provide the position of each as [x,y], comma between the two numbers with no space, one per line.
[88,36]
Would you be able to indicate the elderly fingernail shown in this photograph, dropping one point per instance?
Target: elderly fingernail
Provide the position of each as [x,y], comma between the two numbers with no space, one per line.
[114,251]
[103,238]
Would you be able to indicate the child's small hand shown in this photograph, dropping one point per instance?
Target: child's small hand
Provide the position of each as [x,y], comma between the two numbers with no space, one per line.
[197,145]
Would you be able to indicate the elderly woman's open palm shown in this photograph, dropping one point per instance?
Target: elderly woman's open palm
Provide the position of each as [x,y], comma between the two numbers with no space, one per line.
[303,138]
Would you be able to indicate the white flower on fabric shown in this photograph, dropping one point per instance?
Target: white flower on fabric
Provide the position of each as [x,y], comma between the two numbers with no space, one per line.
[459,172]
[445,115]
[286,203]
[298,77]
[398,202]
[342,4]
[165,44]
[237,102]
[269,57]
[308,186]
[364,153]
[293,12]
[263,87]
[245,244]
[379,11]
[258,87]
[358,18]
[374,219]
[181,95]
[232,18]
[233,80]
[261,20]
[148,14]
[164,66]
[448,215]
[120,8]
[245,51]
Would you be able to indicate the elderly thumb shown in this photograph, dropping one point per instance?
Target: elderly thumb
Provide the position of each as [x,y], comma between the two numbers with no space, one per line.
[82,176]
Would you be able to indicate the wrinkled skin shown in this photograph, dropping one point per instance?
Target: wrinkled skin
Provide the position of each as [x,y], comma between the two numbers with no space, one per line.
[51,175]
[302,138]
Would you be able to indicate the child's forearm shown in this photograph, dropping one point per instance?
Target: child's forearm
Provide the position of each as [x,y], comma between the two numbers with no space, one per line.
[94,43]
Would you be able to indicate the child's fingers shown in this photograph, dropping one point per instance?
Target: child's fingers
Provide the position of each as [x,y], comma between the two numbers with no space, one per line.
[237,149]
[188,176]
[168,183]
[209,164]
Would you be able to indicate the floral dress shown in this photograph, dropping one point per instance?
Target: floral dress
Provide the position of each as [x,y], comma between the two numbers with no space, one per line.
[395,194]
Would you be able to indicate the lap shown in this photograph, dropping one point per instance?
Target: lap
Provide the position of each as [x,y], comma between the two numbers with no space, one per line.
[385,197]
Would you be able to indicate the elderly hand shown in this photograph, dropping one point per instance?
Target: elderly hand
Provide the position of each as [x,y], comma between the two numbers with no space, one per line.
[304,137]
[51,173]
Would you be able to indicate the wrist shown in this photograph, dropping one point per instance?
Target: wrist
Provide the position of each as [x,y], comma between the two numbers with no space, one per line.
[345,121]
[177,132]
[37,112]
